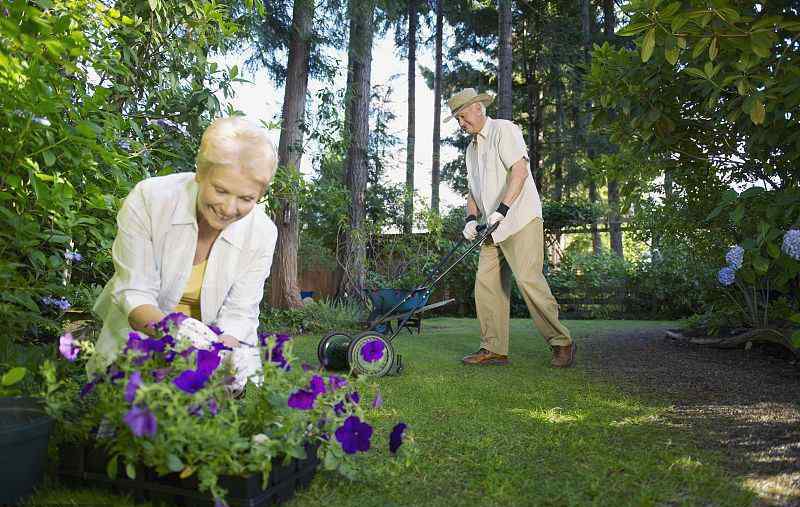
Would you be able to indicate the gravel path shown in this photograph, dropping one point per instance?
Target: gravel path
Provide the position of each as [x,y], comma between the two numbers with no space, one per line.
[746,403]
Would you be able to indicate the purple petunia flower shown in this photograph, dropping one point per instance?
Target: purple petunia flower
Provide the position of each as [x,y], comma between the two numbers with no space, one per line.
[207,362]
[172,319]
[317,385]
[160,374]
[338,409]
[213,408]
[726,276]
[67,347]
[372,350]
[354,435]
[114,373]
[190,381]
[353,397]
[134,383]
[791,244]
[218,502]
[335,382]
[378,401]
[88,387]
[396,437]
[735,257]
[214,329]
[302,400]
[195,410]
[141,421]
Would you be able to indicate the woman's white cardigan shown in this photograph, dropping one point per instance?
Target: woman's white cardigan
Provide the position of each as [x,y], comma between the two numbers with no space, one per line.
[153,254]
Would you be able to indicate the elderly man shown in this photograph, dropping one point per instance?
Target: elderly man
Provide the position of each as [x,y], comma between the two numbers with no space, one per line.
[502,189]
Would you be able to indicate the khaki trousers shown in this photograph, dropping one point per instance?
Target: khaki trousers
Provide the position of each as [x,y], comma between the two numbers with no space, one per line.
[523,255]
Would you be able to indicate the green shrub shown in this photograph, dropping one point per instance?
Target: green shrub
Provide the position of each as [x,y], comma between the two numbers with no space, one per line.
[315,317]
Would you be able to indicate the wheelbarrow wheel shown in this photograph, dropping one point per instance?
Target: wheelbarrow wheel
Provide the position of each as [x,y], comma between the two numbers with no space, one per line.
[374,361]
[332,350]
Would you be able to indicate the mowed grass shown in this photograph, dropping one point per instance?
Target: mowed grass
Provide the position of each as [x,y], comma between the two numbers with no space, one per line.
[524,434]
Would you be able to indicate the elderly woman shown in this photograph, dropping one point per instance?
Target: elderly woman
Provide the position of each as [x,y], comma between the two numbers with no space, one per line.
[197,243]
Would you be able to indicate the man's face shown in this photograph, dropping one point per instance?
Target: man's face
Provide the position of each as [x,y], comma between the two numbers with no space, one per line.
[471,118]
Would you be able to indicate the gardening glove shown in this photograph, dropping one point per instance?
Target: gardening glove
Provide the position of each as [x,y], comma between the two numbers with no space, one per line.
[197,333]
[498,215]
[470,231]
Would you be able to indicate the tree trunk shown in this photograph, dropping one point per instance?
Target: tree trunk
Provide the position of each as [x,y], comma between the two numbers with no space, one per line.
[504,67]
[532,87]
[408,215]
[359,63]
[284,289]
[586,117]
[437,112]
[614,226]
[558,158]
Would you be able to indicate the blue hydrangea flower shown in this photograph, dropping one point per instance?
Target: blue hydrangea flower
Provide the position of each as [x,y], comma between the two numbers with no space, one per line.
[73,256]
[726,276]
[735,257]
[791,244]
[141,421]
[354,435]
[61,303]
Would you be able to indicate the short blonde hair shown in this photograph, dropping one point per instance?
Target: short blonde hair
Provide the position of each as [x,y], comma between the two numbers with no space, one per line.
[236,141]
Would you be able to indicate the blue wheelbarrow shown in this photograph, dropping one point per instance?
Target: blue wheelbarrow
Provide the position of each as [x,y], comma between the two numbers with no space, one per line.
[371,353]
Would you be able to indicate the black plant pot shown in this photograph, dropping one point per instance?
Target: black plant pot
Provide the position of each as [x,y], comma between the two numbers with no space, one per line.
[87,464]
[24,435]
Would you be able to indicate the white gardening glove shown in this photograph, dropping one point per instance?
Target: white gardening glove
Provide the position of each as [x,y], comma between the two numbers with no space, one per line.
[197,333]
[494,218]
[470,231]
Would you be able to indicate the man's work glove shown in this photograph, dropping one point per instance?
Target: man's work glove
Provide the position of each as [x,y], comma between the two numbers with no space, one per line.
[197,333]
[470,231]
[498,215]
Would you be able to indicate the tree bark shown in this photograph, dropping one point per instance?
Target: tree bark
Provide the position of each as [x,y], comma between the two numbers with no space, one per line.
[614,225]
[437,112]
[558,157]
[505,65]
[408,220]
[586,117]
[284,288]
[359,63]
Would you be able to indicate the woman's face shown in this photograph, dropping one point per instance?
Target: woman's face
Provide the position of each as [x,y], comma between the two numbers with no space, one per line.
[226,194]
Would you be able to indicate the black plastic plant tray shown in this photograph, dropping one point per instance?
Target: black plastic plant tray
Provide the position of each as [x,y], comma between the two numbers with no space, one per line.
[87,465]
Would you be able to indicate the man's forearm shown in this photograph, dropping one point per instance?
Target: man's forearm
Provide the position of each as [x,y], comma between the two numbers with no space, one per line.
[143,317]
[516,180]
[472,207]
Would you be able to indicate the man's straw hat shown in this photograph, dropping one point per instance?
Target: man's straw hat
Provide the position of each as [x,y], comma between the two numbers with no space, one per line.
[464,98]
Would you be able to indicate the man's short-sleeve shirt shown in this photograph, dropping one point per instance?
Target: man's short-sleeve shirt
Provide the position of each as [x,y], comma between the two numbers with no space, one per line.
[489,158]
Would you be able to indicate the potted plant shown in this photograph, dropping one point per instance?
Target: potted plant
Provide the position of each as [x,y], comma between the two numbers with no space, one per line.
[162,415]
[24,436]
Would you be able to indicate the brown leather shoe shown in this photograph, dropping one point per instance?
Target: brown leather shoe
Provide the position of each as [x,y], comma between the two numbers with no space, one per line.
[485,357]
[563,355]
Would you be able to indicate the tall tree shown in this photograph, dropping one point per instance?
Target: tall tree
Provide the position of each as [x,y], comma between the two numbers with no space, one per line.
[284,289]
[614,225]
[504,58]
[586,118]
[357,97]
[437,111]
[411,41]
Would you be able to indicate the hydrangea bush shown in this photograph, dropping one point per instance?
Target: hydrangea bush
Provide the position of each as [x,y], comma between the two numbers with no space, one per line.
[170,406]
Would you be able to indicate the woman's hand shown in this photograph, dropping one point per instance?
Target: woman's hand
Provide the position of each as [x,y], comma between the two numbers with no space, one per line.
[229,341]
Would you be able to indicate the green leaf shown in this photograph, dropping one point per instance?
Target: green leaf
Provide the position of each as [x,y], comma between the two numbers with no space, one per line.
[758,112]
[796,339]
[713,49]
[693,71]
[700,47]
[112,468]
[761,264]
[130,470]
[669,10]
[795,317]
[49,158]
[648,44]
[174,463]
[738,214]
[679,22]
[671,55]
[773,250]
[633,28]
[13,376]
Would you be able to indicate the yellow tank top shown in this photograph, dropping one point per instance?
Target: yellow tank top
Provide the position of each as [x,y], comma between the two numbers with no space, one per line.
[190,300]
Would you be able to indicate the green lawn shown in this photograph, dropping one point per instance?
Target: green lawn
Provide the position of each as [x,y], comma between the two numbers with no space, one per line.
[525,434]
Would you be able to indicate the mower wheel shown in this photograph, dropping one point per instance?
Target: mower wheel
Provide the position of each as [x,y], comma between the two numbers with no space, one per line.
[332,350]
[376,360]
